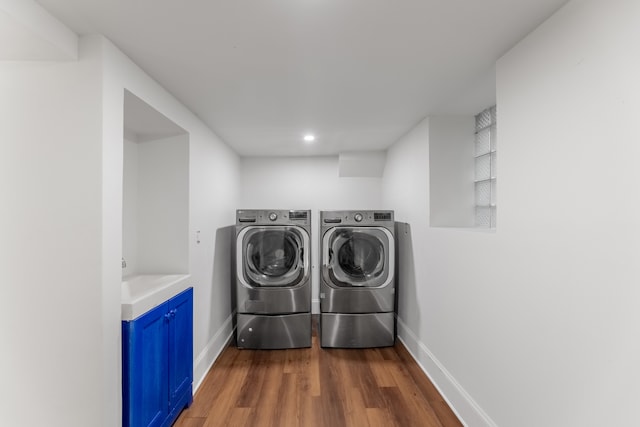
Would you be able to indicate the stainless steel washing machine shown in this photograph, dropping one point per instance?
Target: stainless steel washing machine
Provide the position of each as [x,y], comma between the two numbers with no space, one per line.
[273,279]
[358,288]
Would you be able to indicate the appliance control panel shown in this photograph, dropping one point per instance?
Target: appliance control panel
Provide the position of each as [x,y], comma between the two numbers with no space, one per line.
[273,216]
[357,217]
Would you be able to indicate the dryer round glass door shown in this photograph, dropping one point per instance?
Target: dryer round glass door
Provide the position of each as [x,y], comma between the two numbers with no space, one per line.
[273,256]
[359,256]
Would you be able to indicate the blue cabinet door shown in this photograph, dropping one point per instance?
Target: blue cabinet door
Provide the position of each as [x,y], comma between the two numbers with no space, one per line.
[181,348]
[145,364]
[157,361]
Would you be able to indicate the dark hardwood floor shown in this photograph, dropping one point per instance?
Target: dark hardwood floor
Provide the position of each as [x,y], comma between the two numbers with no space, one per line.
[317,387]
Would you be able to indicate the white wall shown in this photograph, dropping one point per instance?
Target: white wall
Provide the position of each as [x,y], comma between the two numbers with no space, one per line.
[130,206]
[163,205]
[305,183]
[29,33]
[61,173]
[537,324]
[451,171]
[155,212]
[213,197]
[407,162]
[50,244]
[362,164]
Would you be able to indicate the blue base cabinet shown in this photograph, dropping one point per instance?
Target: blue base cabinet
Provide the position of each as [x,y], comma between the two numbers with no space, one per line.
[157,363]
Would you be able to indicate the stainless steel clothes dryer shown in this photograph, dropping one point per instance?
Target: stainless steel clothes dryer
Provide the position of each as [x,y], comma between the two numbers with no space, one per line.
[273,279]
[357,289]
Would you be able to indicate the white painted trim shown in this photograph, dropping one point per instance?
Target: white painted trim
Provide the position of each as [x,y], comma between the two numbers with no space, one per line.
[212,351]
[462,404]
[315,306]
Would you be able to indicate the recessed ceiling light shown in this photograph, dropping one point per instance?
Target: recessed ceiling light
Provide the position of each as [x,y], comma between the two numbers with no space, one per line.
[309,138]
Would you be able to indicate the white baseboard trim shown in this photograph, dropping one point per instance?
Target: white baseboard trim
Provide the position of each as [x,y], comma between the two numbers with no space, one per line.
[212,350]
[467,410]
[315,306]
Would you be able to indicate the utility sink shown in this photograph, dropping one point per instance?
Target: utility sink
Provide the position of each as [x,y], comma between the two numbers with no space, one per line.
[140,293]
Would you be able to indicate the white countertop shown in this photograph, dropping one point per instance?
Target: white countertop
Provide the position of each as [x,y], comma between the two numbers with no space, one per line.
[140,293]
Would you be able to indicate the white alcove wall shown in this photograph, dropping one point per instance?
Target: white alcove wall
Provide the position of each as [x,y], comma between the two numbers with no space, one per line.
[155,211]
[156,206]
[451,171]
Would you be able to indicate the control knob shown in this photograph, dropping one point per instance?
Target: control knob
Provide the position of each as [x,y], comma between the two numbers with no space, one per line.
[273,216]
[358,217]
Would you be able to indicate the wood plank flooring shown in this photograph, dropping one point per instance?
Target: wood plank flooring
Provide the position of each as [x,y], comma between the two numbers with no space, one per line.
[317,387]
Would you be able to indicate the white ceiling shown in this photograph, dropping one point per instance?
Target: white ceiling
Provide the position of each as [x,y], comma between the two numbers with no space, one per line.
[357,73]
[142,122]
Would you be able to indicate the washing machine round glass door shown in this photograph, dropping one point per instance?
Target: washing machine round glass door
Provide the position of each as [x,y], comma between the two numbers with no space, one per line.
[273,256]
[360,256]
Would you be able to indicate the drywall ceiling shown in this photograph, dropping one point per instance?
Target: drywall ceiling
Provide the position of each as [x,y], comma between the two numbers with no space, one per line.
[142,122]
[356,73]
